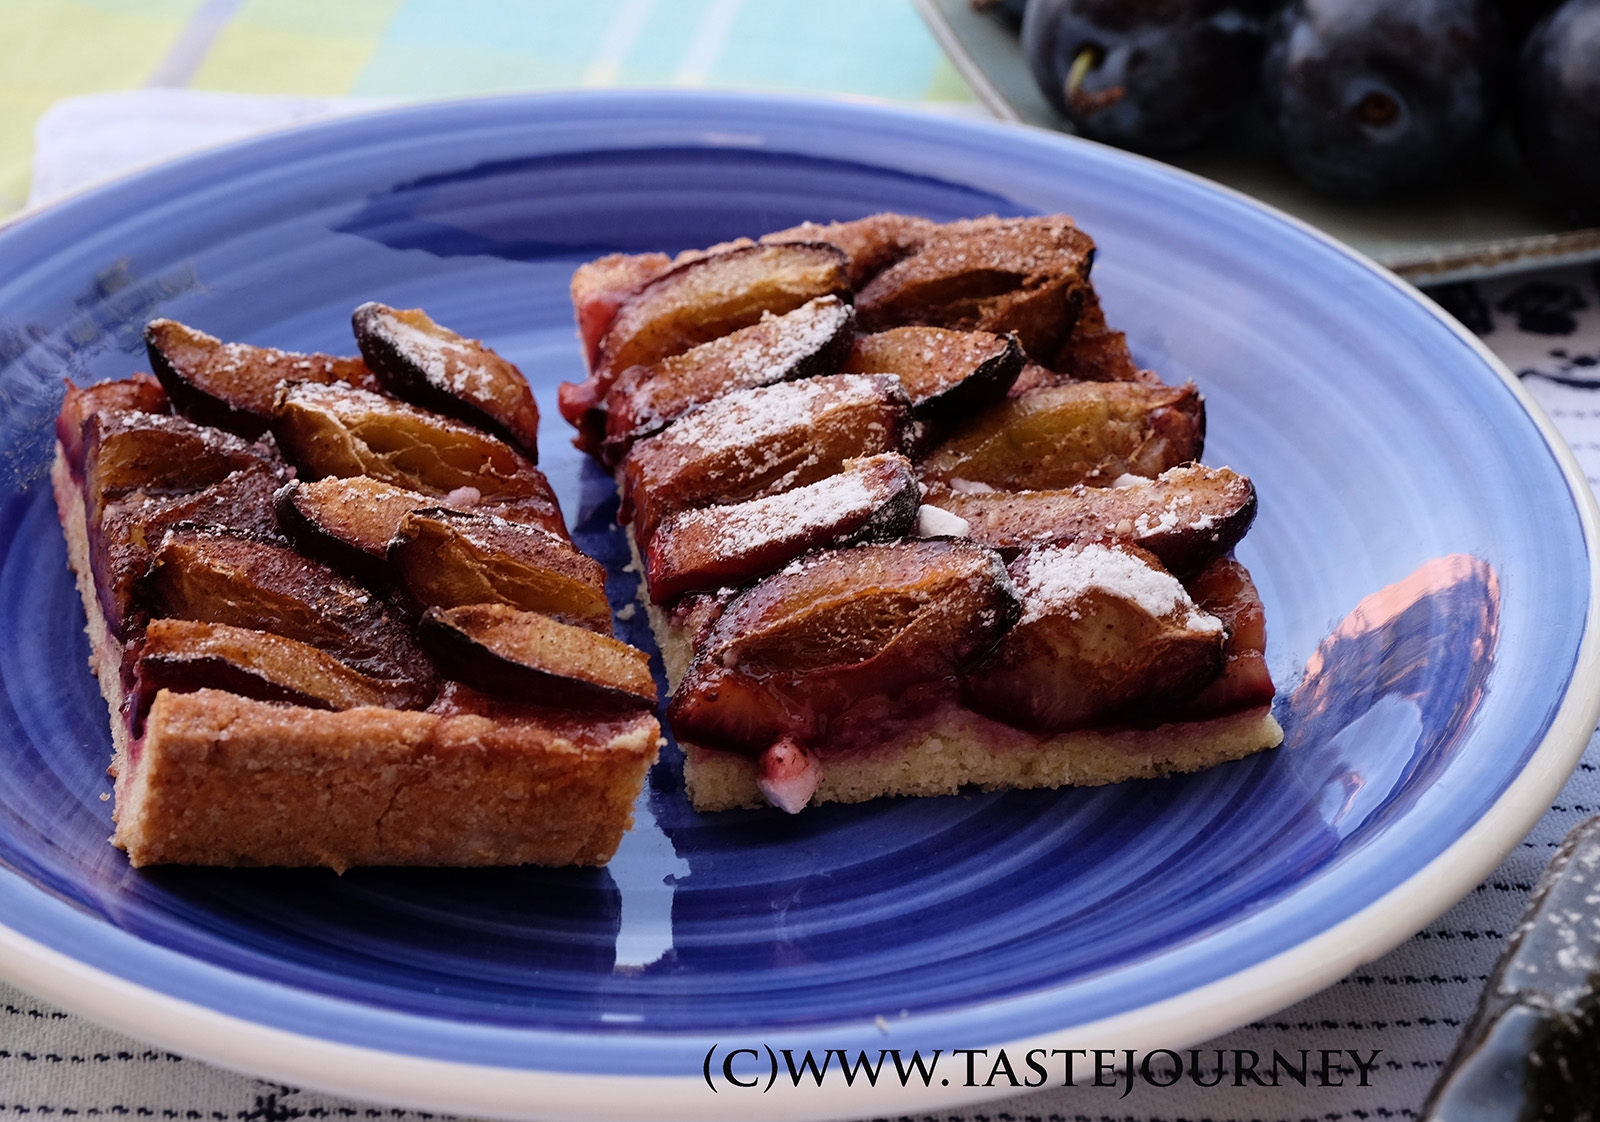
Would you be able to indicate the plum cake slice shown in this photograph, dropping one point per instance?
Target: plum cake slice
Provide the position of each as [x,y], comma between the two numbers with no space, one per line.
[336,614]
[919,522]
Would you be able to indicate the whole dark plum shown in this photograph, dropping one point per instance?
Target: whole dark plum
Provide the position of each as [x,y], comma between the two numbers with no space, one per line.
[1151,74]
[1558,106]
[1375,97]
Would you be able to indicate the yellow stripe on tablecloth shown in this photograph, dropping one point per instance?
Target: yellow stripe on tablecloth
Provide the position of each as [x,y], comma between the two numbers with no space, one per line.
[310,47]
[58,48]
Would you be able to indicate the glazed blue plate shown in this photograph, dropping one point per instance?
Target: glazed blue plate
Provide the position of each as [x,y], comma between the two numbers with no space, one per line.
[1424,551]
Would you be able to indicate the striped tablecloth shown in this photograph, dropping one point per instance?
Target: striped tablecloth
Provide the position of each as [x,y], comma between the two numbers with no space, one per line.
[145,78]
[318,49]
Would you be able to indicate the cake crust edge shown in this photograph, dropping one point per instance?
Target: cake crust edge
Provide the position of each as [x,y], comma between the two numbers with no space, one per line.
[224,780]
[963,752]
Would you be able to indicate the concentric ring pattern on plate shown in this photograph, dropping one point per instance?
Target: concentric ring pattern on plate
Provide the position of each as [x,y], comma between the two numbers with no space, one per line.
[1380,439]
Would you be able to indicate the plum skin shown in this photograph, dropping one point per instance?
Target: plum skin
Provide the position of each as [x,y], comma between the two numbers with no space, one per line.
[1368,98]
[1158,75]
[1557,122]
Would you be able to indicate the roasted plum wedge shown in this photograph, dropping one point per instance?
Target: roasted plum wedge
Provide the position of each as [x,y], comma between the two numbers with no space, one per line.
[435,368]
[448,558]
[871,499]
[872,243]
[1095,353]
[346,522]
[232,385]
[760,442]
[698,301]
[1105,634]
[350,522]
[130,529]
[948,375]
[530,657]
[1187,516]
[341,431]
[710,296]
[187,655]
[1024,276]
[1224,589]
[125,450]
[1060,436]
[214,575]
[601,287]
[139,394]
[799,649]
[809,341]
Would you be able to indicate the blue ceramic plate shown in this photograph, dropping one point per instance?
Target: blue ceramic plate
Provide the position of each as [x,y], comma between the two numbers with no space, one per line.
[1424,551]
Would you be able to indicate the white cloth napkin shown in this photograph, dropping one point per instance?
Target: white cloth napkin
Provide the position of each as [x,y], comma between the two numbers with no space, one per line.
[79,141]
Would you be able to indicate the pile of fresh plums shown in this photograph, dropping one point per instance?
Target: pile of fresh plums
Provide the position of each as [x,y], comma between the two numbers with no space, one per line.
[1364,98]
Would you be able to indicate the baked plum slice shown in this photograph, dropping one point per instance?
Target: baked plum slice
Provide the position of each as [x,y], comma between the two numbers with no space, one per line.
[871,499]
[812,340]
[214,575]
[948,375]
[186,655]
[839,627]
[530,657]
[1187,516]
[1058,437]
[139,394]
[1023,276]
[350,522]
[1224,589]
[344,432]
[448,558]
[232,385]
[602,286]
[346,522]
[759,442]
[695,302]
[1094,352]
[126,450]
[708,297]
[1105,634]
[435,368]
[872,243]
[132,527]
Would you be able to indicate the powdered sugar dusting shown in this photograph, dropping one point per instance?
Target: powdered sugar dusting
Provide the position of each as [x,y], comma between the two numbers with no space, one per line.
[463,498]
[1164,522]
[448,363]
[799,513]
[744,418]
[970,487]
[1054,579]
[787,340]
[936,522]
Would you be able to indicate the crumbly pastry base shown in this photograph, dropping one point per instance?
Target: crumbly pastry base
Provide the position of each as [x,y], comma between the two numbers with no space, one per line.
[965,750]
[223,780]
[962,749]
